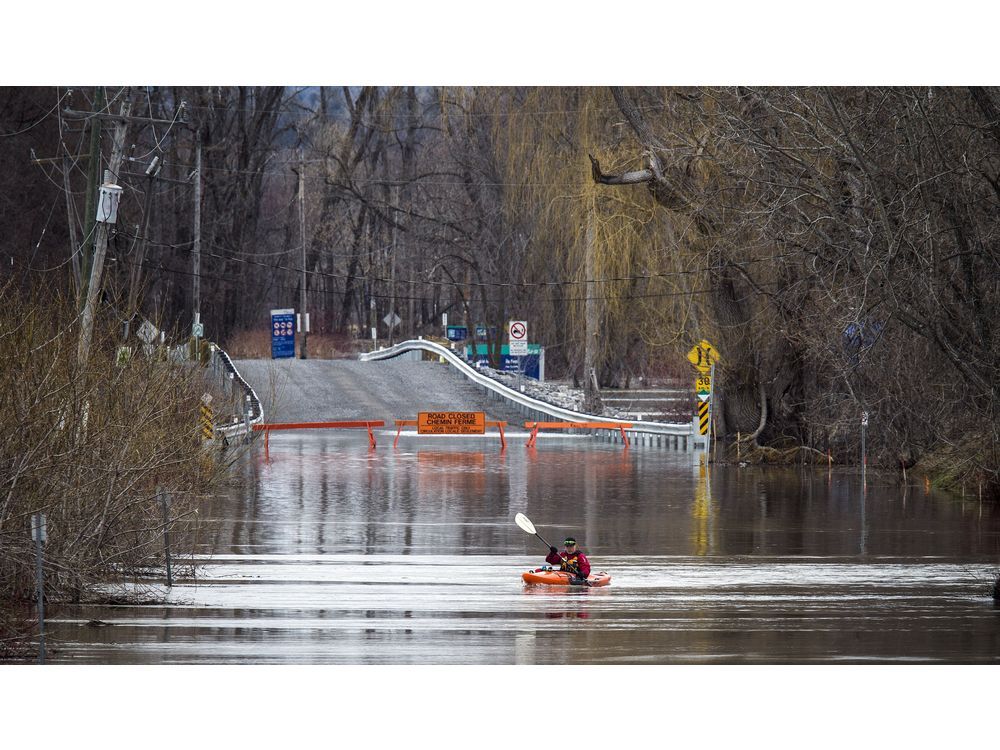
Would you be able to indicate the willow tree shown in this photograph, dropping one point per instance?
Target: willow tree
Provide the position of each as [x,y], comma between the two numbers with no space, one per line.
[612,284]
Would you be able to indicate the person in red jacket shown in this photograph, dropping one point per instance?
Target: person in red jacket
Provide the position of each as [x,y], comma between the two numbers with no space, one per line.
[571,559]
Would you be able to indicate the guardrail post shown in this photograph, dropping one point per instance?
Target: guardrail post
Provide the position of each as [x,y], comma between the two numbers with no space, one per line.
[165,505]
[246,420]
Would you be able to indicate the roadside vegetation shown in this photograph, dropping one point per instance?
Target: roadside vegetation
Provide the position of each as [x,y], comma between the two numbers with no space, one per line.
[88,446]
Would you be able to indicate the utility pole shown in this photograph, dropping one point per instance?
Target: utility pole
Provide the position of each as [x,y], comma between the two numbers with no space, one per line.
[105,217]
[196,249]
[592,396]
[302,237]
[74,249]
[392,272]
[92,172]
[152,171]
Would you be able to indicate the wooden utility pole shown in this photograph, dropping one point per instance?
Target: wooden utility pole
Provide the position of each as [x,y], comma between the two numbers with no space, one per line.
[101,236]
[392,271]
[196,248]
[92,176]
[140,254]
[592,396]
[303,347]
[74,249]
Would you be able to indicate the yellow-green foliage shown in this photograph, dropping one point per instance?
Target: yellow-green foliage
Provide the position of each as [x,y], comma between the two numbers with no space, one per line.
[643,259]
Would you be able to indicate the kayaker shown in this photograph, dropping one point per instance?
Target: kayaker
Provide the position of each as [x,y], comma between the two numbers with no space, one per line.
[571,559]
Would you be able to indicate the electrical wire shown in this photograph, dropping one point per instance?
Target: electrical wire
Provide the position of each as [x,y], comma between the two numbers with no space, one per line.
[40,120]
[400,297]
[477,284]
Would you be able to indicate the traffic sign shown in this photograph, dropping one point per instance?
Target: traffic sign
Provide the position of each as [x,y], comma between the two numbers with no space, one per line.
[198,330]
[703,387]
[518,338]
[147,332]
[392,320]
[451,423]
[703,416]
[282,333]
[703,355]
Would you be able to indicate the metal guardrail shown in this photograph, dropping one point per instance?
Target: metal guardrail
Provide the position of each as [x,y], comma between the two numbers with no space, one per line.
[253,411]
[684,436]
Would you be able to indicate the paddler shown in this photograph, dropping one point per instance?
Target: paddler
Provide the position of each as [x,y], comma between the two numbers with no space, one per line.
[571,559]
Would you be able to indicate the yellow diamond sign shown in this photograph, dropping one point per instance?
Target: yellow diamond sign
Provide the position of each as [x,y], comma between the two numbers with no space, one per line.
[703,356]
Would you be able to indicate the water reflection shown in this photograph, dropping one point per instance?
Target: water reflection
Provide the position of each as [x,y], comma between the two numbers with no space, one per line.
[332,553]
[701,510]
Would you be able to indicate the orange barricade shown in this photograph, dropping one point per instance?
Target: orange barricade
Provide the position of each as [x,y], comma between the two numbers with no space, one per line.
[267,429]
[401,423]
[536,426]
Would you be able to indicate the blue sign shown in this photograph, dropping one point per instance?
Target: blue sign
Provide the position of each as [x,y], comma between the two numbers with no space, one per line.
[529,365]
[282,333]
[458,333]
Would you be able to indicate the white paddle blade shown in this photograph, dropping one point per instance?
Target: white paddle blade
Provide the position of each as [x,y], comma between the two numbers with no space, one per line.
[522,520]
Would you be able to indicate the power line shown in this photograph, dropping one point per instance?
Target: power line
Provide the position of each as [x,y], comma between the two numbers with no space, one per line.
[477,284]
[388,295]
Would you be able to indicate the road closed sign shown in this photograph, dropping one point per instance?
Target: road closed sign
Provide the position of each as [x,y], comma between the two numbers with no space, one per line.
[451,423]
[518,345]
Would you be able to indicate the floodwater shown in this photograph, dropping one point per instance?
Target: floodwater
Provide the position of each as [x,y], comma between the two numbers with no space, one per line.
[332,553]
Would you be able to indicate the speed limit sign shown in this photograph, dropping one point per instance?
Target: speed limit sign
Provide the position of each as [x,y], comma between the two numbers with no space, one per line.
[518,338]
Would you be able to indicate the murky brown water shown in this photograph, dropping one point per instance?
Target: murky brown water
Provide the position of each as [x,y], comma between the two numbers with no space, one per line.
[334,554]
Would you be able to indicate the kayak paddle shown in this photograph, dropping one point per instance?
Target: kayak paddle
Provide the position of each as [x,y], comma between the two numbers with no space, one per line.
[525,523]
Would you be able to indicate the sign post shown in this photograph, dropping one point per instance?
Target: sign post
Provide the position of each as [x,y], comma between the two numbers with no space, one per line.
[704,356]
[39,534]
[165,507]
[282,333]
[864,449]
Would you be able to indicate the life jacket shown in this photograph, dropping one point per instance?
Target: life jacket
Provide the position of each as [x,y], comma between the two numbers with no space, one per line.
[571,564]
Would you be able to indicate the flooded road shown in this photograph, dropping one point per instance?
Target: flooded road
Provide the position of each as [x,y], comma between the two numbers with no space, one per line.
[331,553]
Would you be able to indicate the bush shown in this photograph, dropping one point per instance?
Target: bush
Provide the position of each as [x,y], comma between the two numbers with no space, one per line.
[88,445]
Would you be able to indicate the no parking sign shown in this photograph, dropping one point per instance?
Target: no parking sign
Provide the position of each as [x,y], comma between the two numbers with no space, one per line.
[518,338]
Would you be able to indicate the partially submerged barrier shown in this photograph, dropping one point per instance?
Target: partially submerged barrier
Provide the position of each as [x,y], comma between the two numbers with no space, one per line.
[536,426]
[401,423]
[267,429]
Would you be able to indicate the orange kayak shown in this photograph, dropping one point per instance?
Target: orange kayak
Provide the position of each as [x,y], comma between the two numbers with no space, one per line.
[549,577]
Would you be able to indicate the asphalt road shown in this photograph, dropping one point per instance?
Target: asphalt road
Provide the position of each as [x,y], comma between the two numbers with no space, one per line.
[296,390]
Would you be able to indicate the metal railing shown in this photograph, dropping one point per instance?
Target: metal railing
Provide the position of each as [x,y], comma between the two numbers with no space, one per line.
[253,412]
[683,436]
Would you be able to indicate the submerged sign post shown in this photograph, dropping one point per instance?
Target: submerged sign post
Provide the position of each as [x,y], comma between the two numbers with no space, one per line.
[282,333]
[704,356]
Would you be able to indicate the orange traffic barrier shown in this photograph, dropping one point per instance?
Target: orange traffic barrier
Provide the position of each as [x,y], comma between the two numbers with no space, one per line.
[401,423]
[267,429]
[536,426]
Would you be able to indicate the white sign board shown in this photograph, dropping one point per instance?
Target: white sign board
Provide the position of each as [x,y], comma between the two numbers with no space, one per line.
[518,345]
[147,332]
[392,320]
